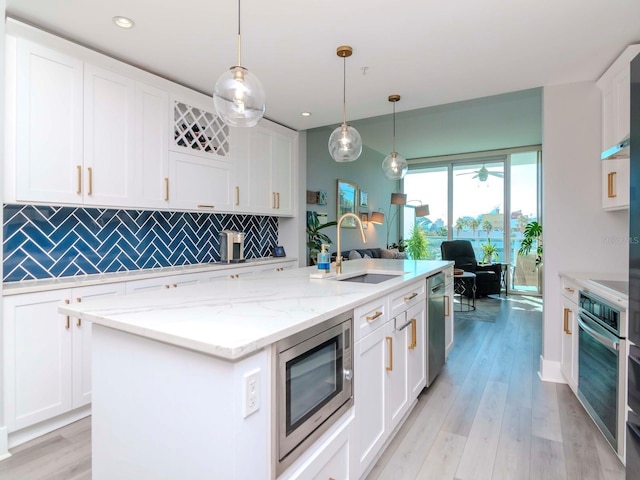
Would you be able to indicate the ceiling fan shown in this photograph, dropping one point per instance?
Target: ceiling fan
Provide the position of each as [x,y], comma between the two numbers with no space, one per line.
[483,174]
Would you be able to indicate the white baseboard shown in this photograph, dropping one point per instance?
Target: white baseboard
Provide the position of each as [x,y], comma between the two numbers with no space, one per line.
[4,444]
[550,371]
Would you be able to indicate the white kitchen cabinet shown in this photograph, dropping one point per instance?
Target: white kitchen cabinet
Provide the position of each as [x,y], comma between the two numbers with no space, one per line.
[264,169]
[199,183]
[45,97]
[615,86]
[615,183]
[448,312]
[151,171]
[371,360]
[569,361]
[396,388]
[46,355]
[417,349]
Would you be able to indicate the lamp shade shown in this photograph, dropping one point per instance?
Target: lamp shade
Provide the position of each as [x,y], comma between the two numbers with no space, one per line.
[422,211]
[377,218]
[239,97]
[398,199]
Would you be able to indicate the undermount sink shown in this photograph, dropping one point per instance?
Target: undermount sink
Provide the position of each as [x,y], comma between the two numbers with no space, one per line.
[370,278]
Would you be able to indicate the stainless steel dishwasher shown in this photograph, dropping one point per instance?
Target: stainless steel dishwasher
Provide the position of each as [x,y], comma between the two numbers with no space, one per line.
[435,326]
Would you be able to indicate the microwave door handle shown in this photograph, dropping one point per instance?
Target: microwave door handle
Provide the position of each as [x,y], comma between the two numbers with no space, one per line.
[612,344]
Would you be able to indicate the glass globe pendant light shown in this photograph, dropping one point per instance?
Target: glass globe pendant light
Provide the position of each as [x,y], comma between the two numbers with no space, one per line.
[238,96]
[345,144]
[394,165]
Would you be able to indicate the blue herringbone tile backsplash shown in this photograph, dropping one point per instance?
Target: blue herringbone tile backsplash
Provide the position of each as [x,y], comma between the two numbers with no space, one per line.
[51,242]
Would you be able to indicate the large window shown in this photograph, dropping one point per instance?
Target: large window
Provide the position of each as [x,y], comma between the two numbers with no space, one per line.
[486,199]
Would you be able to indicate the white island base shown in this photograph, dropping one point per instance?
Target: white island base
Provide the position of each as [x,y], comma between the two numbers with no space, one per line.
[164,412]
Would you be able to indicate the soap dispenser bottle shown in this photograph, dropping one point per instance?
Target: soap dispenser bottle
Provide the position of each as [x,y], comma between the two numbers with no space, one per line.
[324,260]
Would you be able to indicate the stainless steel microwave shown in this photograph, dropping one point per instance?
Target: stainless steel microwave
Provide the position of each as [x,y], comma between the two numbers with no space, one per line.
[314,384]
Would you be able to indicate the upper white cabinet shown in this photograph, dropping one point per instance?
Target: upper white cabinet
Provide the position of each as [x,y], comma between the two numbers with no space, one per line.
[615,85]
[46,97]
[264,169]
[615,183]
[85,129]
[109,137]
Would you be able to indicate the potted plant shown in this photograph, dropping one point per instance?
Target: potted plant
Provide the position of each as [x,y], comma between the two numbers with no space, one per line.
[489,252]
[417,246]
[532,233]
[315,238]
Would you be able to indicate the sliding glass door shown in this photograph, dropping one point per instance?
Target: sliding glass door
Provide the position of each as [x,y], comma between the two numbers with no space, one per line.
[486,199]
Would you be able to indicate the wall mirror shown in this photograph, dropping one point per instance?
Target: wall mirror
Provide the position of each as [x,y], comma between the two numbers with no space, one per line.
[347,202]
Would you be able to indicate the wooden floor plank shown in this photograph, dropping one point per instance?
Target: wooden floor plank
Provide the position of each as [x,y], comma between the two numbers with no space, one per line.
[547,460]
[513,455]
[443,458]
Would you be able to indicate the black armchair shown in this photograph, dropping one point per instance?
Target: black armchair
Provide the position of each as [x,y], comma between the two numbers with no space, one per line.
[487,276]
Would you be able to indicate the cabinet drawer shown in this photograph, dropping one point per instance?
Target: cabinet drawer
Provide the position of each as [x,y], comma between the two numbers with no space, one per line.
[368,317]
[570,290]
[407,297]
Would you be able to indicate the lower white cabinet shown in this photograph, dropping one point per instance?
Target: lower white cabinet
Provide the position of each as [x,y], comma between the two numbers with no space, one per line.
[615,183]
[390,370]
[46,355]
[569,359]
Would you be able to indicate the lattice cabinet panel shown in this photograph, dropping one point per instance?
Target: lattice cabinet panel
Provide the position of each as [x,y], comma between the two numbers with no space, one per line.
[197,129]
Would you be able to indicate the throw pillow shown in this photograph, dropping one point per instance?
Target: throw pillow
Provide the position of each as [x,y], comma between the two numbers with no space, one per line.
[366,256]
[354,255]
[402,255]
[385,253]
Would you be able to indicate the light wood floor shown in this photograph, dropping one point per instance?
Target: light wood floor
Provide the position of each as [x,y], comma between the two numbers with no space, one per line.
[487,416]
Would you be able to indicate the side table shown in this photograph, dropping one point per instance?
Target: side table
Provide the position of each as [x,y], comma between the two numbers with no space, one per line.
[464,285]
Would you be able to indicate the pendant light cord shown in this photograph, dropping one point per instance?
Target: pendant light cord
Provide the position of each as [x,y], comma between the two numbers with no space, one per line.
[344,90]
[394,127]
[239,37]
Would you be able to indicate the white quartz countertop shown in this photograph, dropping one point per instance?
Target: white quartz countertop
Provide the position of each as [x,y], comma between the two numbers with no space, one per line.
[585,280]
[233,318]
[31,286]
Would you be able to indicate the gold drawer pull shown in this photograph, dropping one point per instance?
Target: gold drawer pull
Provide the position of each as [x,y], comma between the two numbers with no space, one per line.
[79,191]
[278,197]
[206,206]
[566,321]
[273,194]
[447,307]
[371,318]
[410,297]
[79,322]
[570,290]
[414,334]
[67,324]
[237,195]
[166,189]
[610,185]
[90,170]
[389,367]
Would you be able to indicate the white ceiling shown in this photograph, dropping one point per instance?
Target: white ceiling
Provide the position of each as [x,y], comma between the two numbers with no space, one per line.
[430,52]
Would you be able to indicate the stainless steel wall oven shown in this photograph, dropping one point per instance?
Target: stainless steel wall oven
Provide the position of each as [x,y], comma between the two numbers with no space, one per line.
[602,366]
[314,384]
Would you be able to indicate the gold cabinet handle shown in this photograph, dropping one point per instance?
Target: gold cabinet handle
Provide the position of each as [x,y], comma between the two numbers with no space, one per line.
[610,185]
[389,367]
[167,286]
[410,297]
[206,206]
[166,189]
[90,171]
[79,322]
[175,285]
[567,311]
[278,197]
[68,323]
[273,195]
[237,195]
[447,308]
[570,290]
[414,334]
[79,191]
[371,318]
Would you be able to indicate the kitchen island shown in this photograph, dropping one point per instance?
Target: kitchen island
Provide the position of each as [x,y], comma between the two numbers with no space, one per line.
[169,368]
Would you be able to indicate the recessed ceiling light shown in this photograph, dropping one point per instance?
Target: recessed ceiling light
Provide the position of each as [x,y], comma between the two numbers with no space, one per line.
[306,114]
[123,22]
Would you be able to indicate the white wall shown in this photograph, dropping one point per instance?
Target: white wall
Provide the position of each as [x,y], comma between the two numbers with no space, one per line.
[578,235]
